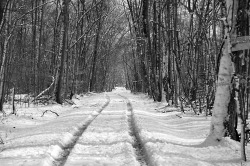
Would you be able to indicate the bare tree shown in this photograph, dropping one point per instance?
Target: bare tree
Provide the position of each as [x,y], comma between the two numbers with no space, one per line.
[63,40]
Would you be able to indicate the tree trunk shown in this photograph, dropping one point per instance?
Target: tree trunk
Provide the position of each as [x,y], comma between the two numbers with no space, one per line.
[39,54]
[1,12]
[63,40]
[223,93]
[95,52]
[34,44]
[3,66]
[222,97]
[13,101]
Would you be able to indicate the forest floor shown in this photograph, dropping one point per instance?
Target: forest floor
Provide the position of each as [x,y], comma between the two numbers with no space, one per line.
[116,128]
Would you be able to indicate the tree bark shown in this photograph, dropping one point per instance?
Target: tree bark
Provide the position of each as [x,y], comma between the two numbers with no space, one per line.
[3,6]
[13,101]
[63,41]
[223,92]
[3,66]
[95,52]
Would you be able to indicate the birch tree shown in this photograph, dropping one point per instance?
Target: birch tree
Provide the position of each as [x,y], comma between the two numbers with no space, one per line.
[223,84]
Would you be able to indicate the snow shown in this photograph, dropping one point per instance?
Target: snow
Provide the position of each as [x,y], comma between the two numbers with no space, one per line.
[170,140]
[96,131]
[222,94]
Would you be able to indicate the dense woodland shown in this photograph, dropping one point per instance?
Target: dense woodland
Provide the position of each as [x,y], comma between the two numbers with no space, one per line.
[170,49]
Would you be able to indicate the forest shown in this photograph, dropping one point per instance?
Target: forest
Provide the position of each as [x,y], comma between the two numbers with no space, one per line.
[180,52]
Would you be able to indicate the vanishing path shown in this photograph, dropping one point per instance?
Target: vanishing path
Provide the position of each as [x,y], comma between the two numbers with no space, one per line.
[116,128]
[61,151]
[107,137]
[133,131]
[31,139]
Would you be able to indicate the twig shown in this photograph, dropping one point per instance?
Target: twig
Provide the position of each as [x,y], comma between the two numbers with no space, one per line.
[50,111]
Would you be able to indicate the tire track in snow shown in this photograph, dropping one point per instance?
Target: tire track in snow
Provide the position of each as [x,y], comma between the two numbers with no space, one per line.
[61,151]
[133,131]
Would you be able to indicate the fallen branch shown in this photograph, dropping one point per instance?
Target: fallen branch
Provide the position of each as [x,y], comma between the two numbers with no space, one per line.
[53,81]
[50,111]
[165,106]
[69,102]
[178,116]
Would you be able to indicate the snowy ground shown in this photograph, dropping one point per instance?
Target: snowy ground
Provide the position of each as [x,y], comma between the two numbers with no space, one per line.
[113,129]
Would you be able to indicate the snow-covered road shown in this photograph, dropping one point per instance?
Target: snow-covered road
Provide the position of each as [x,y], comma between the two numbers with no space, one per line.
[113,129]
[107,140]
